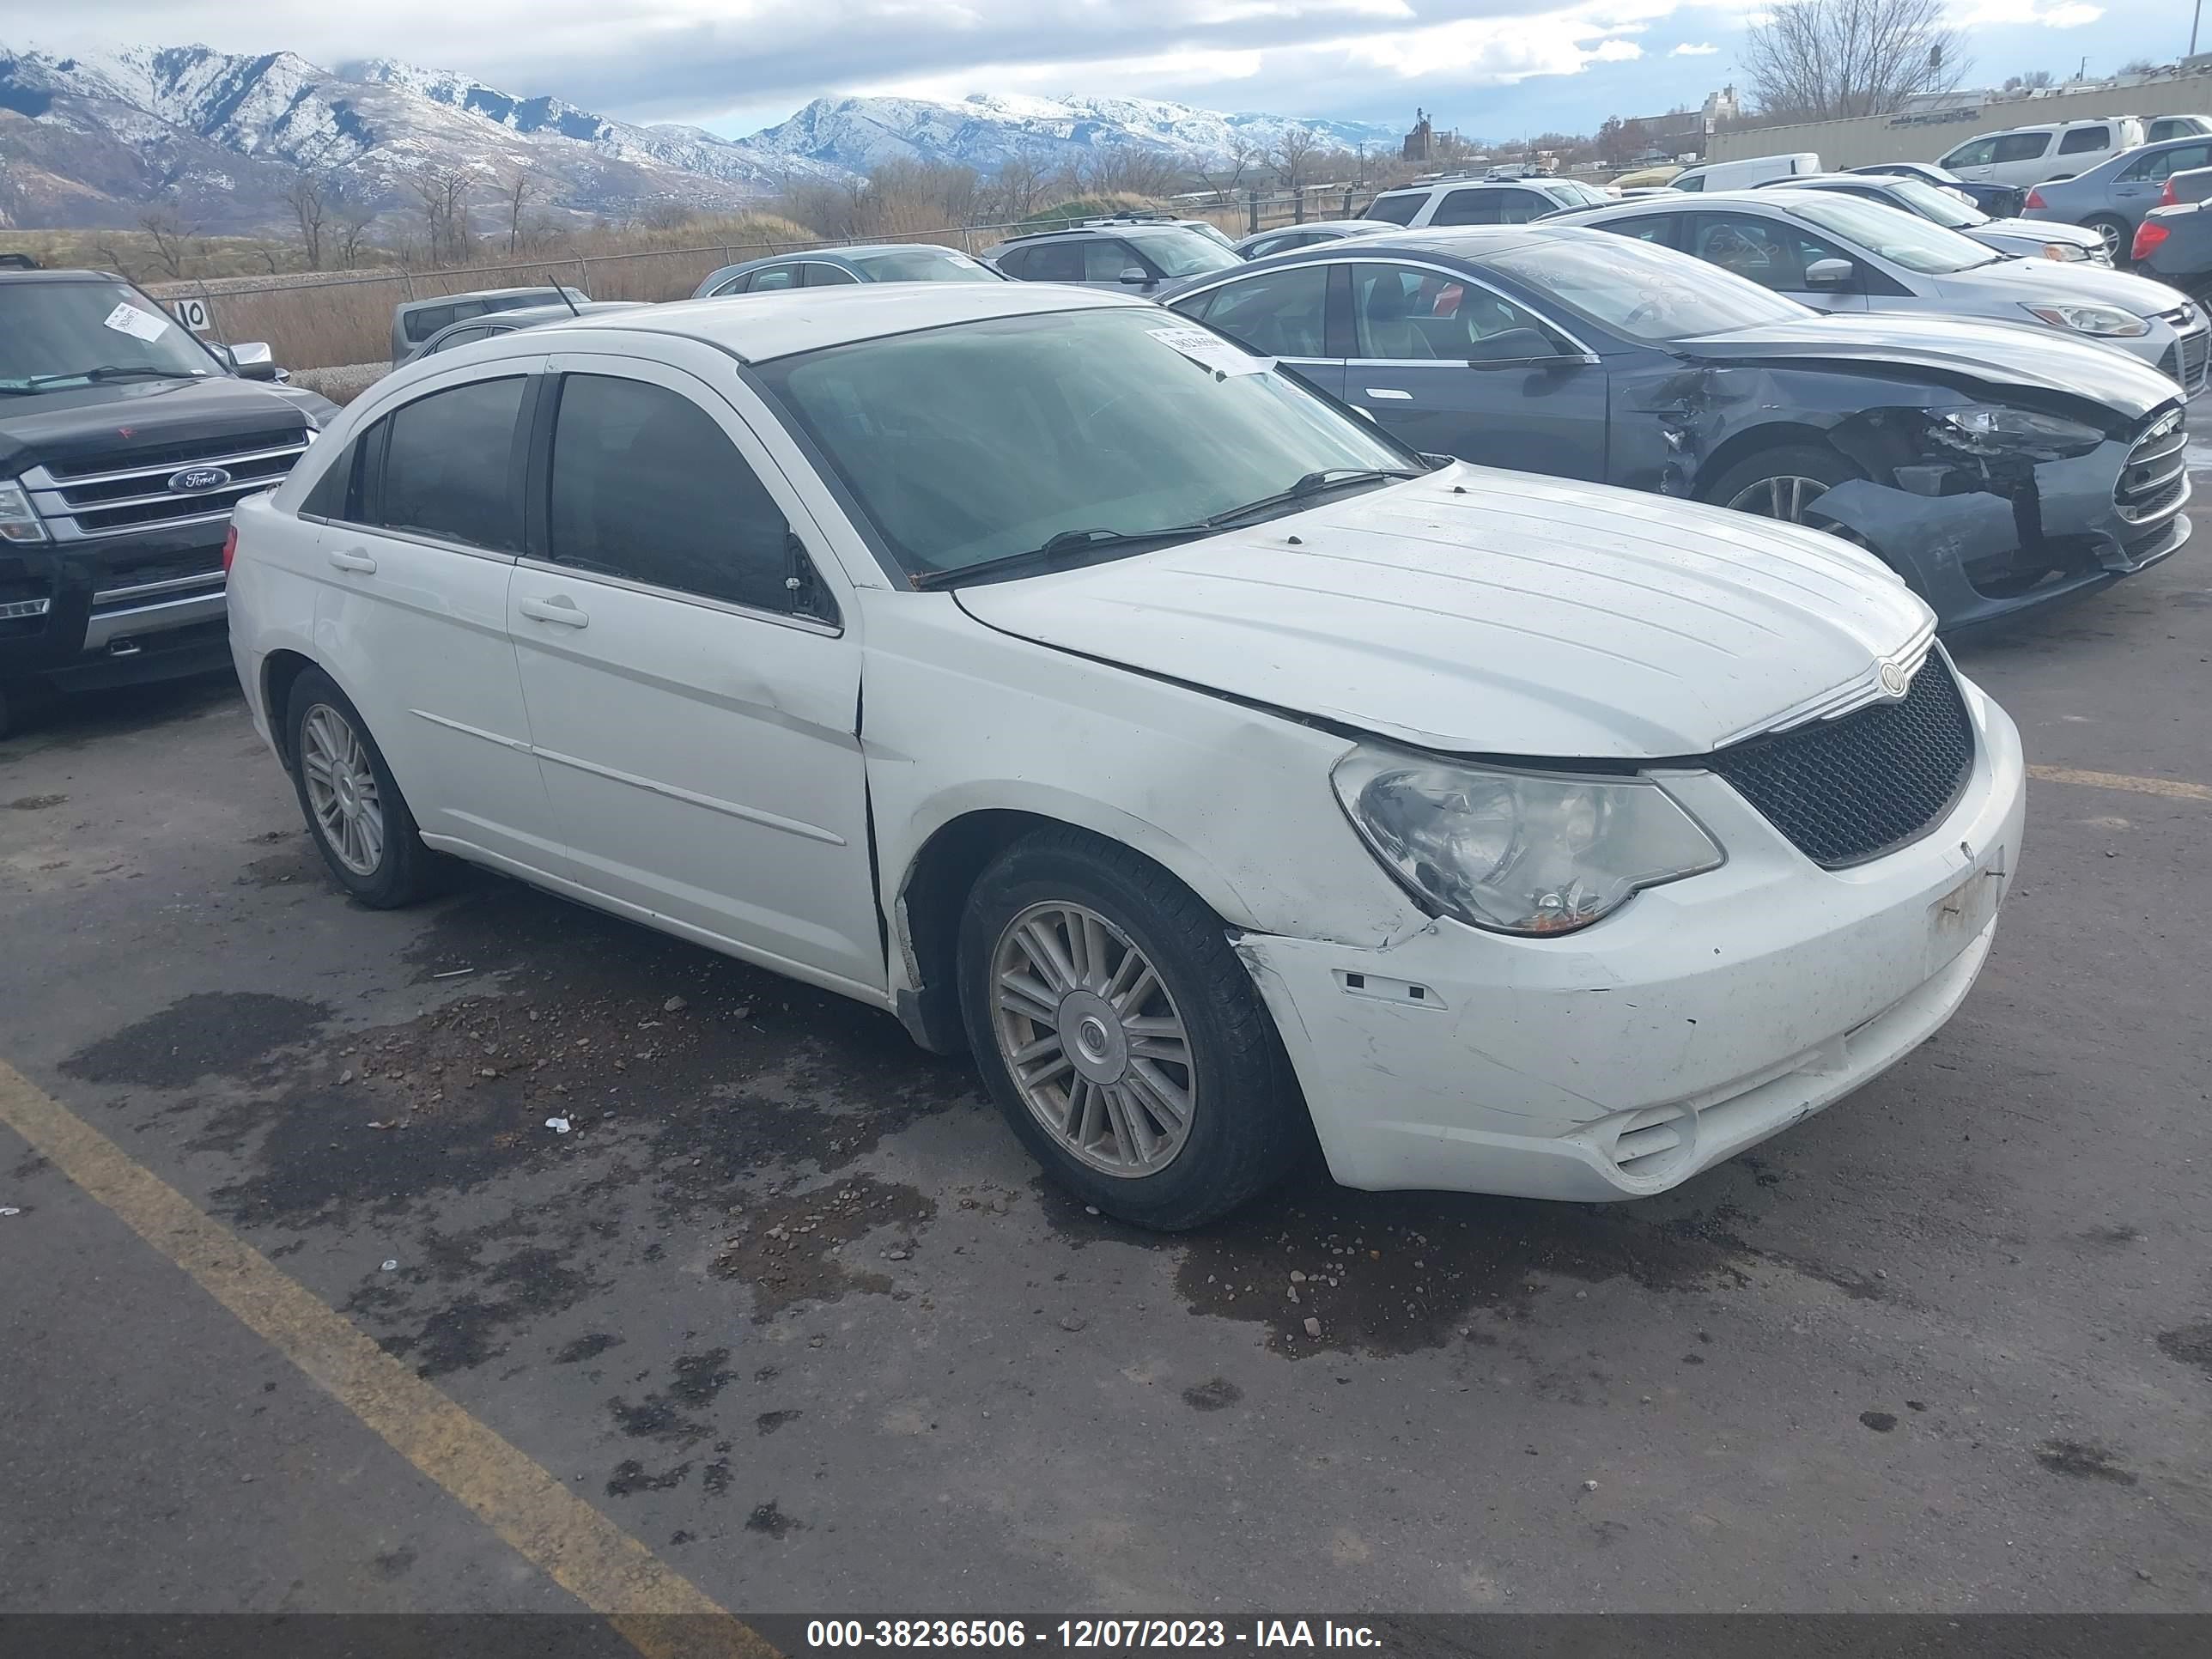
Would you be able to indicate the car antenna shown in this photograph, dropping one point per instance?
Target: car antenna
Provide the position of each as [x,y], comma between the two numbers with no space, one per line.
[562,289]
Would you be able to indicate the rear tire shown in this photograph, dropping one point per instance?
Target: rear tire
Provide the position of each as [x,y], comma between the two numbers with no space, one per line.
[1152,1084]
[358,820]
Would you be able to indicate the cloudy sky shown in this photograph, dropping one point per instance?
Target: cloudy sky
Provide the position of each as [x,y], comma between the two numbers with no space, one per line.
[1490,68]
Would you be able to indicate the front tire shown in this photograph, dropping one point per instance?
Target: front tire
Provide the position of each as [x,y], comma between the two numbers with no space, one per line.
[1120,1035]
[360,821]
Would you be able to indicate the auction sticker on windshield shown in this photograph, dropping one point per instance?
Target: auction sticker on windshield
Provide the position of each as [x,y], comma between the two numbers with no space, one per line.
[1212,351]
[127,318]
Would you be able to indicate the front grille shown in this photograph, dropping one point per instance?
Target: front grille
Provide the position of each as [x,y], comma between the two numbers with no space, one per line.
[2186,359]
[2154,481]
[131,491]
[1851,788]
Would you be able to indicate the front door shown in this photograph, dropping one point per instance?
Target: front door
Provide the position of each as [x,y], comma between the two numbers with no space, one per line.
[1450,367]
[1281,313]
[1776,253]
[694,699]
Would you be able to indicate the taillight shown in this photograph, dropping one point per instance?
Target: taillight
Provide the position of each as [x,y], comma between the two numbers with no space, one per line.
[229,547]
[2149,236]
[2167,197]
[2034,200]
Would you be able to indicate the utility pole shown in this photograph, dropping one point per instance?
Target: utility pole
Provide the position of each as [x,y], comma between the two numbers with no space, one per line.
[2196,13]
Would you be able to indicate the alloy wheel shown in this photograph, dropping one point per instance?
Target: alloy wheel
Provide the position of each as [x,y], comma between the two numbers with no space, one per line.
[1785,496]
[1091,1039]
[342,790]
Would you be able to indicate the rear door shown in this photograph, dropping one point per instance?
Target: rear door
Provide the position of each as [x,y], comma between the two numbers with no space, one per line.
[420,525]
[2140,184]
[694,694]
[1452,366]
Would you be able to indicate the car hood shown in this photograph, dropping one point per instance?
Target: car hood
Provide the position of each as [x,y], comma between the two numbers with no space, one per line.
[2049,282]
[1479,611]
[2037,230]
[1998,355]
[112,420]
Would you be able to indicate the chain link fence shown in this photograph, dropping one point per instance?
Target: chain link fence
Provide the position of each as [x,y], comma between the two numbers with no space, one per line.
[332,319]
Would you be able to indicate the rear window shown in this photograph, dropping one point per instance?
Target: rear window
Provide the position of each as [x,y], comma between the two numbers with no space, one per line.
[1396,209]
[2082,139]
[924,264]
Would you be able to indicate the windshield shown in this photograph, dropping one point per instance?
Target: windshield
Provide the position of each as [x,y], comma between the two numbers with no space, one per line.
[1893,234]
[1181,253]
[58,333]
[982,439]
[1939,205]
[1641,291]
[924,264]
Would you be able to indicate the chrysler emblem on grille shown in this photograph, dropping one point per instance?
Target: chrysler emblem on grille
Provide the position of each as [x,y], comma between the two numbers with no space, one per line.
[1895,680]
[193,479]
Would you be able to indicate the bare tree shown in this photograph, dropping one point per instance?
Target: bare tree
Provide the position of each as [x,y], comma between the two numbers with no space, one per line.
[1292,156]
[1223,172]
[353,211]
[524,188]
[442,194]
[175,240]
[1020,182]
[1820,60]
[308,196]
[2139,66]
[2033,81]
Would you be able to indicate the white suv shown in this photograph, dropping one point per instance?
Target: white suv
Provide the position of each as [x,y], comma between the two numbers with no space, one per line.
[1033,664]
[1480,201]
[2055,149]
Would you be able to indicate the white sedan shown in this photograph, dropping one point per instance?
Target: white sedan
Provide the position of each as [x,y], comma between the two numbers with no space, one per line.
[1094,697]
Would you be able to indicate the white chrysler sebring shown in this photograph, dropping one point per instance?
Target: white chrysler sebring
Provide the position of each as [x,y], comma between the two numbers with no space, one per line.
[1098,699]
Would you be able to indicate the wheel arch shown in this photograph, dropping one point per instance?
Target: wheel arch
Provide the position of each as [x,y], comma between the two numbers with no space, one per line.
[280,671]
[924,905]
[1741,447]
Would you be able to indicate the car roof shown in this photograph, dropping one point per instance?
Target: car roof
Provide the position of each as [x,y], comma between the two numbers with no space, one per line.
[1469,242]
[528,316]
[1331,225]
[482,293]
[1105,228]
[769,325]
[12,275]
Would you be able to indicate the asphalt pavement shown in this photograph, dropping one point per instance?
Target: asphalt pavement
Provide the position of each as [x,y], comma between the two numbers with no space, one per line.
[785,1304]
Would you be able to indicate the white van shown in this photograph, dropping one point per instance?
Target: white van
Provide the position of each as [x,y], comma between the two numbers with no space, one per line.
[2033,155]
[1746,174]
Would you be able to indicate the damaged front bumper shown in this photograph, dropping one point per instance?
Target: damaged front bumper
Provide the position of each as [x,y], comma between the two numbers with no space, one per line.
[1706,1016]
[1984,538]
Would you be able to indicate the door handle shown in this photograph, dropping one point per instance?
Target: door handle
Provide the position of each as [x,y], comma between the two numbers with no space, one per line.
[352,558]
[1391,392]
[559,609]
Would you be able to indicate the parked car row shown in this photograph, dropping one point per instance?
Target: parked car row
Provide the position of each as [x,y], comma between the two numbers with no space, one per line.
[1221,768]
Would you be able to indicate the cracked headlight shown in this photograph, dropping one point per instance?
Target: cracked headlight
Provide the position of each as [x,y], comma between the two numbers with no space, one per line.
[2106,322]
[19,520]
[1989,428]
[1528,853]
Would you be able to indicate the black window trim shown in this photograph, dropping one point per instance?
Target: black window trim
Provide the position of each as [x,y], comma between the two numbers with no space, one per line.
[1233,276]
[1867,276]
[536,555]
[1581,356]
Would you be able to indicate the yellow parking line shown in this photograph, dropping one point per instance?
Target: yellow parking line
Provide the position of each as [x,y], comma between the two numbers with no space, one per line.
[2170,788]
[655,1609]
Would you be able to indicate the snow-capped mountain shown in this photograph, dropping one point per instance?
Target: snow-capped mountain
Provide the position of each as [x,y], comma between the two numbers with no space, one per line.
[983,131]
[96,138]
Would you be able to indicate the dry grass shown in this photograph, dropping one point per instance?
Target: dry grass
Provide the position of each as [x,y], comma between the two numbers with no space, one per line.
[134,254]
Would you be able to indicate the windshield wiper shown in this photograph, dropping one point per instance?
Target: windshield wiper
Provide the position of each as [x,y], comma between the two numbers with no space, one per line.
[1056,549]
[109,372]
[1315,483]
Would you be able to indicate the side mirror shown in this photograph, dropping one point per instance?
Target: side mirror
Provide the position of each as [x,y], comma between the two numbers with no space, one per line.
[250,360]
[1830,273]
[1135,276]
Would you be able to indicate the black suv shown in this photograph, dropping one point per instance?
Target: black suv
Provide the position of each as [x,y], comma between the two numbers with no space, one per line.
[123,444]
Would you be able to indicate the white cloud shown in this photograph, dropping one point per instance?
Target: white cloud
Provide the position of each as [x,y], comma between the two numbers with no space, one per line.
[2048,14]
[1693,49]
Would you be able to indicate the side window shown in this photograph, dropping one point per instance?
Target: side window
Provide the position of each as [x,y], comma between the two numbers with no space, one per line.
[1105,259]
[1695,181]
[1657,228]
[1518,207]
[1267,245]
[459,336]
[1015,263]
[647,487]
[822,276]
[447,467]
[1396,209]
[2155,168]
[1468,207]
[421,325]
[772,278]
[1053,262]
[1766,251]
[1277,314]
[1402,313]
[2020,147]
[2084,139]
[1978,153]
[332,495]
